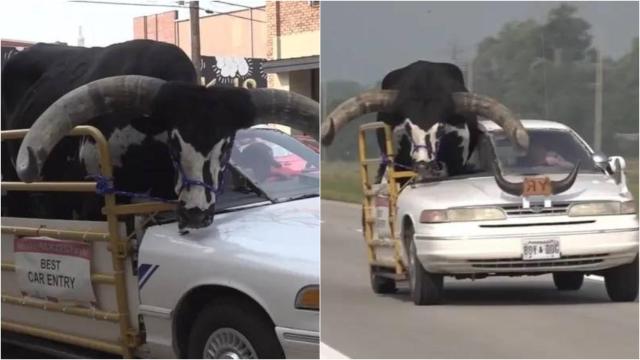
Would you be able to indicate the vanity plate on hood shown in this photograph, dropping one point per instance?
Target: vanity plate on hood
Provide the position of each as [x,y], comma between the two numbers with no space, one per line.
[532,186]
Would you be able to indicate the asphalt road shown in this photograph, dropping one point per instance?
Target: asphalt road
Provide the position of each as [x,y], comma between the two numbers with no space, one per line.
[499,317]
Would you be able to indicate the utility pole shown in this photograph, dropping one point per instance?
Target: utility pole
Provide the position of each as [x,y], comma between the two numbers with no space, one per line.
[597,127]
[194,20]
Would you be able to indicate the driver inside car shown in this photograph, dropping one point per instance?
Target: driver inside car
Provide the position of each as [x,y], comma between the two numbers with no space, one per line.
[539,155]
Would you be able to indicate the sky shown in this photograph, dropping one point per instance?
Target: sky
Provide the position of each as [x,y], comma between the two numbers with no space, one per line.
[362,41]
[102,24]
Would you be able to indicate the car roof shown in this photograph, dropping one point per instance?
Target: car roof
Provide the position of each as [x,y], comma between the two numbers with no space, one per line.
[529,124]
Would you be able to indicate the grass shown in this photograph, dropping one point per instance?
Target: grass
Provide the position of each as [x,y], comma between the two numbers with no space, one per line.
[341,181]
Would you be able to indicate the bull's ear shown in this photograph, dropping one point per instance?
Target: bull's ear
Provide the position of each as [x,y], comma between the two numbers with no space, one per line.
[239,110]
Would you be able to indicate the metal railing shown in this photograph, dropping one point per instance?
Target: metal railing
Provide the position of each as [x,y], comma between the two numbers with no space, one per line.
[129,337]
[368,201]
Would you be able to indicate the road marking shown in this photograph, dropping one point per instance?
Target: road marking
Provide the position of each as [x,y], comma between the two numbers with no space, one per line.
[327,352]
[595,277]
[358,230]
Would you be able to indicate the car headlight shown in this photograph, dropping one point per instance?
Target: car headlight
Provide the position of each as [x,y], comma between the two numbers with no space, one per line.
[602,208]
[308,298]
[462,214]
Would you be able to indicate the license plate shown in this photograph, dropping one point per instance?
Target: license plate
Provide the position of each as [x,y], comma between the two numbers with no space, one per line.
[537,250]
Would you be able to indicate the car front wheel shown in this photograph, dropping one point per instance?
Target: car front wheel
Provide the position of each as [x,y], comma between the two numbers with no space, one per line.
[568,280]
[622,282]
[426,288]
[233,328]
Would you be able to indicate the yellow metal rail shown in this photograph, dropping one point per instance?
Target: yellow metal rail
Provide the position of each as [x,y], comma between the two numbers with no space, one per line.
[368,200]
[129,337]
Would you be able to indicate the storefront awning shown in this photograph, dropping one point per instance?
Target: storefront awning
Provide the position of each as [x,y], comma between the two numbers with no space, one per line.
[292,64]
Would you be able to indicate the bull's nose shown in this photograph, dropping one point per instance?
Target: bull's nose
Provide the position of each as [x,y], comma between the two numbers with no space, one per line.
[194,218]
[421,168]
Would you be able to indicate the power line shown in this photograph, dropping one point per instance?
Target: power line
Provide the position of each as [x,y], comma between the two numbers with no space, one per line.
[238,5]
[208,11]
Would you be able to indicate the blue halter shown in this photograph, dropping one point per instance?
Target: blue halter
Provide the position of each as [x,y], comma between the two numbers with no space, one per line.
[187,182]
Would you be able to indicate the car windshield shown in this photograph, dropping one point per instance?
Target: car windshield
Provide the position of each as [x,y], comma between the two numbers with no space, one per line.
[550,151]
[278,165]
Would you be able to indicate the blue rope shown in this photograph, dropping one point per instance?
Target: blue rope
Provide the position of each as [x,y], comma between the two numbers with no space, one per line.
[104,186]
[385,161]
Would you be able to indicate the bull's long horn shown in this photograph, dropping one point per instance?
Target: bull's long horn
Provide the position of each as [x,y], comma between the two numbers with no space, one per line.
[516,188]
[494,110]
[287,108]
[513,188]
[128,93]
[366,102]
[563,185]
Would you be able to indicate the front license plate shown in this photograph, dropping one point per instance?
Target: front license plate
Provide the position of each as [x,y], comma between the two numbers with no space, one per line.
[537,250]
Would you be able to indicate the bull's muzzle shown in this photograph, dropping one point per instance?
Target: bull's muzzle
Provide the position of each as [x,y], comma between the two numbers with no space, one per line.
[427,170]
[194,218]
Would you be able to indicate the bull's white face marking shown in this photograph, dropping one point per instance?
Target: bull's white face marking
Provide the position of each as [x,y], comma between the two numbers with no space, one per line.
[119,142]
[463,134]
[193,164]
[424,144]
[90,157]
[163,137]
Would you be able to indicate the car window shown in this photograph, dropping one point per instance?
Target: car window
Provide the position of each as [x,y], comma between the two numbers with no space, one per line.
[550,151]
[278,164]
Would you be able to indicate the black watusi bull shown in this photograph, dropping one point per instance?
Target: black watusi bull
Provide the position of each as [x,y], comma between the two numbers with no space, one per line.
[429,106]
[167,134]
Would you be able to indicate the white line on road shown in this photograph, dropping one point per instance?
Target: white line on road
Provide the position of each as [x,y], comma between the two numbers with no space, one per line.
[595,277]
[327,352]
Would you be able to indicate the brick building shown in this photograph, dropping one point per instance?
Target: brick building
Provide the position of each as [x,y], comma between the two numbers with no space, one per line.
[293,46]
[235,33]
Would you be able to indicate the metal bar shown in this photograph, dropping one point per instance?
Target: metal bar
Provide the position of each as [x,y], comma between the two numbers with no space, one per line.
[141,208]
[366,200]
[65,338]
[119,250]
[97,278]
[55,233]
[83,130]
[63,308]
[403,174]
[384,263]
[66,186]
[372,126]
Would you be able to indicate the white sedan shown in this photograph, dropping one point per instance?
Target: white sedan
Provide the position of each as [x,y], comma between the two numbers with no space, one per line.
[247,286]
[468,227]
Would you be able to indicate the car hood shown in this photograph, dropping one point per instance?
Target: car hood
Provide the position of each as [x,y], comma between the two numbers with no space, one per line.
[484,191]
[283,235]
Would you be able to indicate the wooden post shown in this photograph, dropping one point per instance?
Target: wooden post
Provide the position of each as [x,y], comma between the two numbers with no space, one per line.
[194,14]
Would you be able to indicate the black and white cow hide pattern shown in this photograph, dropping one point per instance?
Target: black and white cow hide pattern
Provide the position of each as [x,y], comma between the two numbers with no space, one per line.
[445,144]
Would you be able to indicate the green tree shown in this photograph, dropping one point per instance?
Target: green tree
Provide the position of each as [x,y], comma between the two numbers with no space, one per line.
[543,71]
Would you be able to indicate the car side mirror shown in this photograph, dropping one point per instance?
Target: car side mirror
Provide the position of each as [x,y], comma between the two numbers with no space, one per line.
[600,160]
[617,164]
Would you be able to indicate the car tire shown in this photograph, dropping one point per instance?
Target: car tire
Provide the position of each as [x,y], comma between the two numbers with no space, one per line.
[381,284]
[426,288]
[569,280]
[622,282]
[235,326]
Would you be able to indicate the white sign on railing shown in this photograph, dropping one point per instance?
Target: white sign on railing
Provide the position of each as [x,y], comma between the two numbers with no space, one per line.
[56,270]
